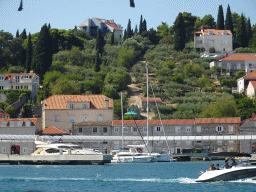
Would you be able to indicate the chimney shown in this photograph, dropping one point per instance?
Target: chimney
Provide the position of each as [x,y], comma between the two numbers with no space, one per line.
[202,28]
[106,103]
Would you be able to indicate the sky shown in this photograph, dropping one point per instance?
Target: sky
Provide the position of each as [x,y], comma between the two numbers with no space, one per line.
[65,14]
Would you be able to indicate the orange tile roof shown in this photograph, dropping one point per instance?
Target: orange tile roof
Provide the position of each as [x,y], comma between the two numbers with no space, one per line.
[251,75]
[11,75]
[240,57]
[2,112]
[60,101]
[253,84]
[33,120]
[151,100]
[114,25]
[155,122]
[52,130]
[214,31]
[225,120]
[253,118]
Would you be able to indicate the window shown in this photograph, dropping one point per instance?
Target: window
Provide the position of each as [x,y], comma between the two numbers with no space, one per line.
[1,87]
[199,141]
[145,129]
[71,105]
[158,129]
[84,118]
[94,130]
[188,129]
[125,129]
[12,124]
[57,119]
[25,86]
[230,128]
[11,87]
[3,150]
[3,123]
[28,123]
[198,128]
[238,66]
[17,87]
[229,66]
[219,129]
[225,42]
[250,65]
[71,119]
[116,129]
[105,129]
[134,129]
[17,78]
[21,87]
[25,76]
[84,105]
[80,129]
[177,129]
[25,150]
[1,78]
[19,123]
[100,118]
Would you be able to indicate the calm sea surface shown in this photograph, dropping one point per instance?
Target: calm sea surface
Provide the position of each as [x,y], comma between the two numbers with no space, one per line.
[175,176]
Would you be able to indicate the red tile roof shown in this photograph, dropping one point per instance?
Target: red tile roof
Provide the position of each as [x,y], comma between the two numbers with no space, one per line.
[253,118]
[60,101]
[214,31]
[2,112]
[11,75]
[52,130]
[225,120]
[33,121]
[240,57]
[155,122]
[251,75]
[151,100]
[114,25]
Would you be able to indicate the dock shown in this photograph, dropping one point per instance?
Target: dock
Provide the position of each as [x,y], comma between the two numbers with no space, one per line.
[98,159]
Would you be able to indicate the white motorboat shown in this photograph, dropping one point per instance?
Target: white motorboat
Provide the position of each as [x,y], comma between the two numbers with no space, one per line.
[130,155]
[242,170]
[59,148]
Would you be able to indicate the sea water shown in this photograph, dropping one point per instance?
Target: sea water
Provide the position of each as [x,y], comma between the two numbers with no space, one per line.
[170,176]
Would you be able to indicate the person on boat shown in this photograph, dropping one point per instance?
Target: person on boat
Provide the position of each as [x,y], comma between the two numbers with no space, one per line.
[226,165]
[234,163]
[212,167]
[217,167]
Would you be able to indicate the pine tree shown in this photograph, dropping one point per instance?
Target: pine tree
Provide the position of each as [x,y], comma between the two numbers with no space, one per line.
[42,54]
[248,31]
[125,35]
[241,35]
[100,42]
[220,21]
[140,26]
[29,55]
[129,31]
[144,26]
[228,21]
[179,39]
[112,40]
[23,35]
[136,30]
[17,33]
[97,62]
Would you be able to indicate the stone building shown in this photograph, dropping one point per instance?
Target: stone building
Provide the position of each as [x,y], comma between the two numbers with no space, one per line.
[151,103]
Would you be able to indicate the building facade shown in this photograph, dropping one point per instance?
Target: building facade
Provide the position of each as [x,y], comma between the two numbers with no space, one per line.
[28,81]
[221,40]
[93,25]
[243,82]
[65,110]
[18,126]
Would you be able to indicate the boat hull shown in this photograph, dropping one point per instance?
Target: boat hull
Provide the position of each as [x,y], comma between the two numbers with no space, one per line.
[227,174]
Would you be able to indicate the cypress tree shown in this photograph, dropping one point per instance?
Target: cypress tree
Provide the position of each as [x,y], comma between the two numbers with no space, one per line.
[23,35]
[129,30]
[55,41]
[49,26]
[248,31]
[140,26]
[112,40]
[125,35]
[42,55]
[97,62]
[241,35]
[17,33]
[136,30]
[29,55]
[144,26]
[228,21]
[100,42]
[220,21]
[179,39]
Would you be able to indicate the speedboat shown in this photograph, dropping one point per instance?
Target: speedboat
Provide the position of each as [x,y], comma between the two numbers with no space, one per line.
[242,170]
[59,148]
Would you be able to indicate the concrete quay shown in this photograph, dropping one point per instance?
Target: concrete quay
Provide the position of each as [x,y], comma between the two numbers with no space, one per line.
[99,159]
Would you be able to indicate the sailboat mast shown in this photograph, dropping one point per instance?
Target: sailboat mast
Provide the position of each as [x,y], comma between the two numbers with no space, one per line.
[122,120]
[147,104]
